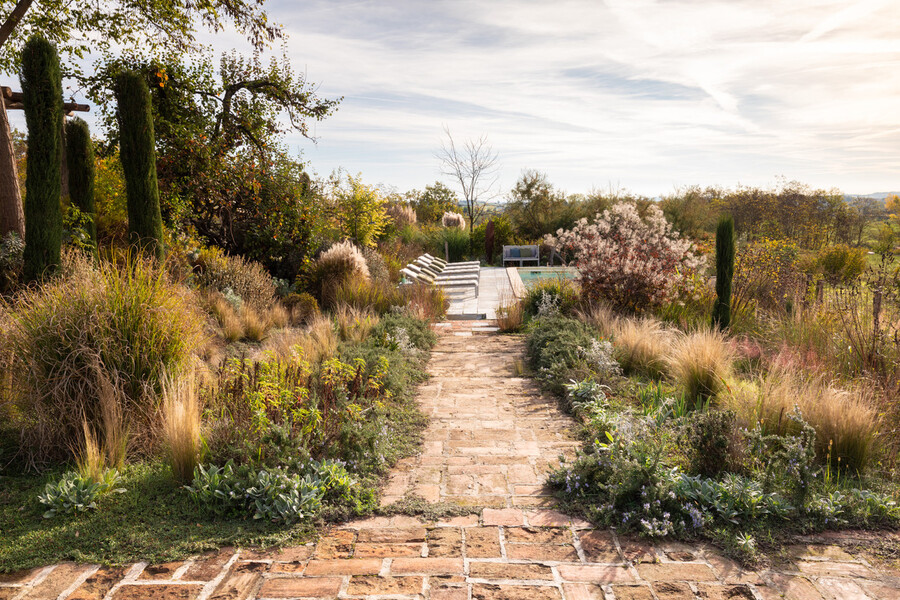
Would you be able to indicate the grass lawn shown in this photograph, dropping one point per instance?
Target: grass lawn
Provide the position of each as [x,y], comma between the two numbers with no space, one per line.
[154,520]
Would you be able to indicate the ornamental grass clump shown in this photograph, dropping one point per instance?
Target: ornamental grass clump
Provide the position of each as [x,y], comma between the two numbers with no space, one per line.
[641,346]
[126,324]
[341,264]
[402,215]
[181,425]
[845,420]
[248,280]
[633,263]
[453,220]
[354,324]
[700,362]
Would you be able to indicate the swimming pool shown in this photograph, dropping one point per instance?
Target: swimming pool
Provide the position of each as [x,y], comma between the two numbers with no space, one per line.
[524,278]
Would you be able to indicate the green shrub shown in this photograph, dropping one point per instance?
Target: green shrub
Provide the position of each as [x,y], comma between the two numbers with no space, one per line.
[504,234]
[557,350]
[457,241]
[127,325]
[247,279]
[556,295]
[12,252]
[417,331]
[302,307]
[137,149]
[42,90]
[711,437]
[273,495]
[841,263]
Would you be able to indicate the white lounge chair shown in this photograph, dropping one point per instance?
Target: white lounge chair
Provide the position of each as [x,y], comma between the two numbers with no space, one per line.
[451,284]
[456,264]
[455,276]
[440,270]
[441,266]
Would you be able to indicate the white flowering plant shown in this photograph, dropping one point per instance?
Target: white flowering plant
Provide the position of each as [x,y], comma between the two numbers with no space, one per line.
[631,261]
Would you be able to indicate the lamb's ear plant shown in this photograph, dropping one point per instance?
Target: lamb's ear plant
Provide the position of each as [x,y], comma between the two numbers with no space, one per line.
[721,317]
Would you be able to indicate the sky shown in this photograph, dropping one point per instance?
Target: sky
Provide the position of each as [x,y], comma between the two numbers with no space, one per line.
[638,95]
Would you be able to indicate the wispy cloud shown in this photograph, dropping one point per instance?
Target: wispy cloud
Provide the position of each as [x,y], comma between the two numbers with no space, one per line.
[649,94]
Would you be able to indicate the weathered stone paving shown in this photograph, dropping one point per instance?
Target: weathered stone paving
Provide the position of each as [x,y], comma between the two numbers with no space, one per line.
[492,437]
[489,442]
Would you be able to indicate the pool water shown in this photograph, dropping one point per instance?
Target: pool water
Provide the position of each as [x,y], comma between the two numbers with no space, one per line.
[534,275]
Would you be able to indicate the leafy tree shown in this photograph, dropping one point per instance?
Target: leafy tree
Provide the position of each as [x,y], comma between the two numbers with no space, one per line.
[42,89]
[138,151]
[223,172]
[432,203]
[536,209]
[359,210]
[159,27]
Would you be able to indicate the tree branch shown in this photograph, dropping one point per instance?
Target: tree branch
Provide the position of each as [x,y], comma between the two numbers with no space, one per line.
[13,19]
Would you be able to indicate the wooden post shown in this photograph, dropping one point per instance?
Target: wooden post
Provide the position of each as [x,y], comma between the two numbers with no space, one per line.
[63,162]
[12,217]
[447,251]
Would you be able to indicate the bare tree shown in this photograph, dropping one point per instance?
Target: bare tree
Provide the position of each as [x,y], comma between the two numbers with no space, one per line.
[474,167]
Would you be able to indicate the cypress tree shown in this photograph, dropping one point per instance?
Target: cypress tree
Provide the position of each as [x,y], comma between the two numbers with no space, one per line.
[42,90]
[80,156]
[721,316]
[137,151]
[489,241]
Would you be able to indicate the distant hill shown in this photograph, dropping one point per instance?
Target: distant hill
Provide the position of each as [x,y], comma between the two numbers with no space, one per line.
[875,196]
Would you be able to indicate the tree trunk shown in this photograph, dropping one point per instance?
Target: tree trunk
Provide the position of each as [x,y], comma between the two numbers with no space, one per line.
[12,218]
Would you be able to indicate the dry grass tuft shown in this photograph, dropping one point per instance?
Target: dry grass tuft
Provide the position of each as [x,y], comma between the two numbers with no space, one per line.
[181,426]
[278,316]
[115,429]
[425,302]
[599,316]
[700,362]
[510,315]
[354,324]
[846,421]
[254,324]
[89,461]
[247,279]
[453,219]
[316,343]
[401,214]
[641,346]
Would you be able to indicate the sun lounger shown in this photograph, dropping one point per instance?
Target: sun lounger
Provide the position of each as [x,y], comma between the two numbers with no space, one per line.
[441,266]
[438,269]
[469,282]
[444,262]
[453,276]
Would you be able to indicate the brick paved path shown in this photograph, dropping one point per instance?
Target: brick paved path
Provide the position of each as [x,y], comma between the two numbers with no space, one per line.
[490,439]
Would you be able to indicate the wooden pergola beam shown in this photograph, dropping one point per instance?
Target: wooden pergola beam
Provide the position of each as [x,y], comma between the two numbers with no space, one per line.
[14,101]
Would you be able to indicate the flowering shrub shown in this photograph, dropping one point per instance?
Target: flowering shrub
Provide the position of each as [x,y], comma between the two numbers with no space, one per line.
[453,219]
[633,263]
